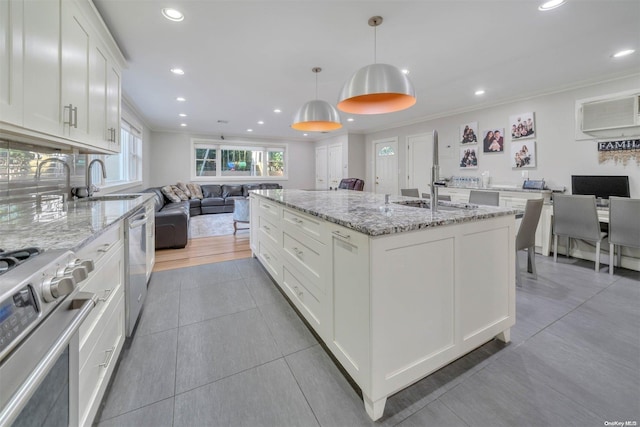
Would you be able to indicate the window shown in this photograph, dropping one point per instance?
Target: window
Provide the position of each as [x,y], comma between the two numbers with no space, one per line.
[125,167]
[238,161]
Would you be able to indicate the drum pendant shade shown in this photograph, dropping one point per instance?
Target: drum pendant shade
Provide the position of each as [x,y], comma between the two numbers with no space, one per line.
[316,115]
[377,88]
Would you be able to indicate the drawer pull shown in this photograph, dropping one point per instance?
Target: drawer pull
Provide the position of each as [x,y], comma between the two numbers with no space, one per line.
[107,292]
[266,227]
[344,236]
[266,206]
[109,356]
[298,292]
[267,257]
[298,252]
[297,221]
[105,247]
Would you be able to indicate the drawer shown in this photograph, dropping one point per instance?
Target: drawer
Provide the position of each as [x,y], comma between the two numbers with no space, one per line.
[104,244]
[271,260]
[306,301]
[305,223]
[305,254]
[99,363]
[269,230]
[270,210]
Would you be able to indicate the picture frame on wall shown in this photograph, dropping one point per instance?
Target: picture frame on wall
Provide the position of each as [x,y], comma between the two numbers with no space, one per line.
[493,141]
[523,154]
[522,126]
[469,133]
[468,158]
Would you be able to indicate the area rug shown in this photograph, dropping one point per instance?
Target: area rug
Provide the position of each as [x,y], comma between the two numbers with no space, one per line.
[212,225]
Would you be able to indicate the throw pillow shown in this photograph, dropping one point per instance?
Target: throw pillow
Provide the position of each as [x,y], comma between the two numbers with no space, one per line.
[184,188]
[178,192]
[196,191]
[169,194]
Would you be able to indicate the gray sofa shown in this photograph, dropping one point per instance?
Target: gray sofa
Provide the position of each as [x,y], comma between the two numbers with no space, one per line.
[172,219]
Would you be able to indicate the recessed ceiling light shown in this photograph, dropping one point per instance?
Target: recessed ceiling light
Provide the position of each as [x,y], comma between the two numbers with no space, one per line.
[180,99]
[277,110]
[305,134]
[480,92]
[260,122]
[350,119]
[622,53]
[172,14]
[182,115]
[552,4]
[178,71]
[184,125]
[249,130]
[405,71]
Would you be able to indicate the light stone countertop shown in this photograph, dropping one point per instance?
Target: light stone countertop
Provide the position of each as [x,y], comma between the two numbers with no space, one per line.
[366,212]
[69,227]
[500,188]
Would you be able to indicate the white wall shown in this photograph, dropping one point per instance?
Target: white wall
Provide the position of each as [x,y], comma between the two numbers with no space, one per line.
[559,155]
[170,160]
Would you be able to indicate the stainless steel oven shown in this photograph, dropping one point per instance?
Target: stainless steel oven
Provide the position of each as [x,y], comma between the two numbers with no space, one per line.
[41,311]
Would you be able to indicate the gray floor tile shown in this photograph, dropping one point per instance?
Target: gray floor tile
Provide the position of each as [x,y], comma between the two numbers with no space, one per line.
[333,401]
[159,313]
[249,267]
[145,375]
[262,289]
[209,274]
[264,396]
[435,414]
[497,396]
[608,389]
[290,333]
[209,301]
[214,349]
[156,415]
[162,282]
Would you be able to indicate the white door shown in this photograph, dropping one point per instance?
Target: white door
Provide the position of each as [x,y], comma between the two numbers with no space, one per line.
[335,165]
[322,177]
[419,161]
[386,166]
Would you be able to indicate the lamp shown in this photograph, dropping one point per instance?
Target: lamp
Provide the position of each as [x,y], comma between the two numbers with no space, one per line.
[377,88]
[317,115]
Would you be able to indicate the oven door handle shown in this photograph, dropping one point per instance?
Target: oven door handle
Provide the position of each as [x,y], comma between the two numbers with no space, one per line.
[85,302]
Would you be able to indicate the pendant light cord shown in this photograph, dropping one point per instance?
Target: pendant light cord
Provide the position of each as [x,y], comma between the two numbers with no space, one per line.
[316,85]
[375,44]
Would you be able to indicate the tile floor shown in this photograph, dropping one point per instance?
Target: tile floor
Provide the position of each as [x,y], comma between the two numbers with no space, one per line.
[218,345]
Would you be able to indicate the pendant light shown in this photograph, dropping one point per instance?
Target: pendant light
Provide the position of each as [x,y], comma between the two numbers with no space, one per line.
[377,88]
[317,115]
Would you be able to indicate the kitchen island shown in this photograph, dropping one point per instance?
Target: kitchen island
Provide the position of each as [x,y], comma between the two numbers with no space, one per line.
[394,291]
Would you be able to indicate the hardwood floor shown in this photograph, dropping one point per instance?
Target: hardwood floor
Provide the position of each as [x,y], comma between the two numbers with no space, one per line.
[204,250]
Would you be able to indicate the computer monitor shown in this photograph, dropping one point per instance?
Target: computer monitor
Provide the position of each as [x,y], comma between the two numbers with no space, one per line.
[601,186]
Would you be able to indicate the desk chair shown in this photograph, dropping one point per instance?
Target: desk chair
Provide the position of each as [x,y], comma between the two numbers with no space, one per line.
[575,216]
[491,198]
[624,226]
[410,192]
[526,237]
[443,197]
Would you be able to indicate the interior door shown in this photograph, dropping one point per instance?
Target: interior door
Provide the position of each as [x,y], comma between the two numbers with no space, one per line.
[322,179]
[386,166]
[419,161]
[335,165]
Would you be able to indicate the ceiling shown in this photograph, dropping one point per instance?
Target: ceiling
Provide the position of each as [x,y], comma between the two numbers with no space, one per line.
[242,59]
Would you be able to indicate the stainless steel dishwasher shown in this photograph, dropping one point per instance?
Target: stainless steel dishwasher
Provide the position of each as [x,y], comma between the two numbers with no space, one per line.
[136,268]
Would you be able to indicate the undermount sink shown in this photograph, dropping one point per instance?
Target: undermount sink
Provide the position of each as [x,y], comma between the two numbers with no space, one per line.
[109,197]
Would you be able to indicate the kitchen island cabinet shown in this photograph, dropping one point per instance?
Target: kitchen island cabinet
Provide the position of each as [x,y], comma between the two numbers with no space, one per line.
[394,291]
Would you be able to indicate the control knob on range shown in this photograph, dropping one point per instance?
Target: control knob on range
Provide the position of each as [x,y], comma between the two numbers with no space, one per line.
[57,287]
[79,269]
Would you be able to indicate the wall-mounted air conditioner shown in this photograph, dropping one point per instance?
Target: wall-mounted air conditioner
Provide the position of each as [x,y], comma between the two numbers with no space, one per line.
[611,118]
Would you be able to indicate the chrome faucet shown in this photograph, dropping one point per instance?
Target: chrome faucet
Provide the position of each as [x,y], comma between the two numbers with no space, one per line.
[88,180]
[67,169]
[434,174]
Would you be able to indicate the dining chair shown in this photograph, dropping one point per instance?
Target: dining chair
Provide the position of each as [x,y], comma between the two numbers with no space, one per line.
[575,217]
[355,184]
[443,197]
[526,237]
[624,226]
[491,198]
[410,192]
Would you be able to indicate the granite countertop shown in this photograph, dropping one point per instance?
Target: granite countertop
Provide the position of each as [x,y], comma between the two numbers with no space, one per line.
[70,226]
[367,213]
[501,188]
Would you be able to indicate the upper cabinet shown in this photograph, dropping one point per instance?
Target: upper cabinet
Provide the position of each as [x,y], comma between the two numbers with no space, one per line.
[67,71]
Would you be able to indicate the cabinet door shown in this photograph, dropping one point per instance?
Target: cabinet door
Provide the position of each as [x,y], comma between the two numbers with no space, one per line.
[98,98]
[11,73]
[113,109]
[335,165]
[75,44]
[42,66]
[322,176]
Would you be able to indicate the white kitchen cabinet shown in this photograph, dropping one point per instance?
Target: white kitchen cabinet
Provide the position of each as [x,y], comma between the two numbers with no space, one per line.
[322,173]
[113,108]
[98,96]
[335,165]
[11,66]
[150,241]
